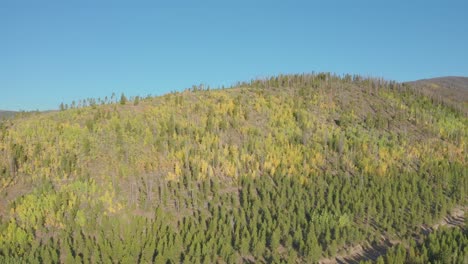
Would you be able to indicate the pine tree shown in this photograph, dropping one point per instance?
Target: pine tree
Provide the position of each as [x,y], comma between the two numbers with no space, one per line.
[313,248]
[123,99]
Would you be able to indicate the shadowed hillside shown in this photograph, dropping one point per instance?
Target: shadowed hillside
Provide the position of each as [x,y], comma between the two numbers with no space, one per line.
[293,168]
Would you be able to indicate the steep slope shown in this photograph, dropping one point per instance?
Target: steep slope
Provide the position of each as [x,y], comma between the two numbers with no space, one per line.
[291,168]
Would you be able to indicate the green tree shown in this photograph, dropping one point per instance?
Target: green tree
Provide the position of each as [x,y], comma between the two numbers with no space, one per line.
[123,99]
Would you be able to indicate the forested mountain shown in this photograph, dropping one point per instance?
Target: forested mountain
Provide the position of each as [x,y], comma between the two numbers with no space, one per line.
[289,169]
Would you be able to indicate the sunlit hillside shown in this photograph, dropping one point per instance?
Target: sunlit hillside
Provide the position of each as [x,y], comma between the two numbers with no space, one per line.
[291,169]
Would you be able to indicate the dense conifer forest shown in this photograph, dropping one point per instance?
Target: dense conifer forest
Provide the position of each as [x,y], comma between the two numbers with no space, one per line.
[289,169]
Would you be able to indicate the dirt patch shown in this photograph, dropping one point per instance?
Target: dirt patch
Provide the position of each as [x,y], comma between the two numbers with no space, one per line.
[456,218]
[15,188]
[360,253]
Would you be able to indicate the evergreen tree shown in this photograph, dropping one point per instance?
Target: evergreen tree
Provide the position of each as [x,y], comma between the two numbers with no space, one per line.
[123,99]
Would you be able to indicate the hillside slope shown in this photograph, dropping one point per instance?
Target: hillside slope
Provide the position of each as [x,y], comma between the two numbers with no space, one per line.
[452,91]
[293,168]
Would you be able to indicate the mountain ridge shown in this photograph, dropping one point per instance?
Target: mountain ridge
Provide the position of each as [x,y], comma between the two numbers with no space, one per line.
[450,90]
[7,113]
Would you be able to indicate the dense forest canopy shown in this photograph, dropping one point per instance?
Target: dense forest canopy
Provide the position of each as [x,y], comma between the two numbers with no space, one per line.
[289,169]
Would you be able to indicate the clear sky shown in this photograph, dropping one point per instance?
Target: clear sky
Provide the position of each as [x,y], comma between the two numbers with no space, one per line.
[53,52]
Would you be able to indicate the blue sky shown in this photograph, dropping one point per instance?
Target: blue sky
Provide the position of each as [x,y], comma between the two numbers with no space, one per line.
[53,52]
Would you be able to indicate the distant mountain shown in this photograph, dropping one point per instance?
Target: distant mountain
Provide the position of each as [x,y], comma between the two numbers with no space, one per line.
[455,82]
[6,114]
[450,90]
